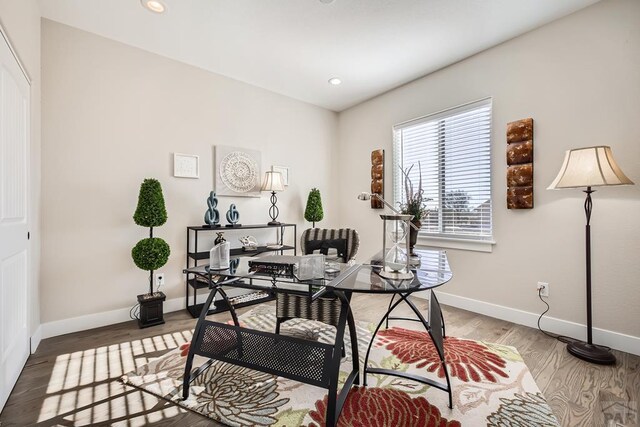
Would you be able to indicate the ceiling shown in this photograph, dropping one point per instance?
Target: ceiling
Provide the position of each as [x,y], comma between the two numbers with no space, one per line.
[293,47]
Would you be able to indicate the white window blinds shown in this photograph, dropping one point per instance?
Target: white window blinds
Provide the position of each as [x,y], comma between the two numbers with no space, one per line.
[453,149]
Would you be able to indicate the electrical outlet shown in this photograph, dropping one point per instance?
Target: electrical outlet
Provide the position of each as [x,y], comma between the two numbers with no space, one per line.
[543,289]
[159,280]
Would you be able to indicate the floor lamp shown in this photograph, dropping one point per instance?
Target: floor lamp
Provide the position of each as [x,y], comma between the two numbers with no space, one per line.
[589,167]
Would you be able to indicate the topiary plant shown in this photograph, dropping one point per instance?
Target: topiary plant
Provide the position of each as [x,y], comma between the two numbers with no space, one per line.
[313,212]
[151,211]
[152,253]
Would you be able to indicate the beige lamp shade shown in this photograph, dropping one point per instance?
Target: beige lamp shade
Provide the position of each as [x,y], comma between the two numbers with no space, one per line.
[589,167]
[272,181]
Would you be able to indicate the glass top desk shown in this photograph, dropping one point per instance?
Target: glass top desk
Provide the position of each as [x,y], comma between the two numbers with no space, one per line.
[314,362]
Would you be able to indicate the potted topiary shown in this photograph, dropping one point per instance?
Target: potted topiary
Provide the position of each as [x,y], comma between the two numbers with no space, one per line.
[153,252]
[313,212]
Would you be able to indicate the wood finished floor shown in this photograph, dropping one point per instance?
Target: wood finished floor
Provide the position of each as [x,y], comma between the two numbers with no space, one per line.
[72,379]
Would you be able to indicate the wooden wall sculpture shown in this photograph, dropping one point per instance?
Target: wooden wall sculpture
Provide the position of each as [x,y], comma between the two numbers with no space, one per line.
[520,164]
[377,178]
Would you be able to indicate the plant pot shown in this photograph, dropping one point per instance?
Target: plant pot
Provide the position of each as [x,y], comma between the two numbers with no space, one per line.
[151,313]
[413,237]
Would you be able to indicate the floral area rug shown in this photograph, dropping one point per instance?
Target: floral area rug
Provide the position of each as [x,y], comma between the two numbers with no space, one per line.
[491,384]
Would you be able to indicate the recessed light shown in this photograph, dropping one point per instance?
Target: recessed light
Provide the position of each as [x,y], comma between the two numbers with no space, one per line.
[154,5]
[326,1]
[335,81]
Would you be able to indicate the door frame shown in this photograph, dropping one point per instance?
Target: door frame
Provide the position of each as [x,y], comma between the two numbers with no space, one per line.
[28,184]
[15,55]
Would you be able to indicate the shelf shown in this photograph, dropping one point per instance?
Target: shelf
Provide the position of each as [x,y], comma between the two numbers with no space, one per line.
[239,252]
[195,310]
[199,258]
[241,227]
[200,284]
[221,306]
[197,284]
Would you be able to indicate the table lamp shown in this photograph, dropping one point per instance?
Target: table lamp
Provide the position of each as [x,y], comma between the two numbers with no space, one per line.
[273,182]
[589,167]
[368,196]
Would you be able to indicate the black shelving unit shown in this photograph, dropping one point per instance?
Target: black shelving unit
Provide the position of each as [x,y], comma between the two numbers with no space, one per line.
[194,256]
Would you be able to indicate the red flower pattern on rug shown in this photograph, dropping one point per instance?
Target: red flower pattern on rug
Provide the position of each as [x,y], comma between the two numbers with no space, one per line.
[467,360]
[382,407]
[184,349]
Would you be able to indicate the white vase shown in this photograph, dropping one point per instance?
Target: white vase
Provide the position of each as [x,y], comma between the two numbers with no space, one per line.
[219,256]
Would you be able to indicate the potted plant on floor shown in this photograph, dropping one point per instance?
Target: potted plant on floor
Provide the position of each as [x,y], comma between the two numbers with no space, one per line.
[414,204]
[153,252]
[313,212]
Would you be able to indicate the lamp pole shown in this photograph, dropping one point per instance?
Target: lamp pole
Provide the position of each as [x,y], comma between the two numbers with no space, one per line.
[588,206]
[389,206]
[273,210]
[589,351]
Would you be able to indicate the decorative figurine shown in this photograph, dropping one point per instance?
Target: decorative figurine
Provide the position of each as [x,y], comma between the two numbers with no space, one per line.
[233,265]
[220,238]
[212,216]
[233,216]
[249,243]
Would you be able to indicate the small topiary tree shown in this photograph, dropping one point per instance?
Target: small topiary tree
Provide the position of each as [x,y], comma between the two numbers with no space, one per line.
[313,212]
[152,253]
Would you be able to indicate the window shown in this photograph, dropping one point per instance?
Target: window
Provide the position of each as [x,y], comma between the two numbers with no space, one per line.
[453,150]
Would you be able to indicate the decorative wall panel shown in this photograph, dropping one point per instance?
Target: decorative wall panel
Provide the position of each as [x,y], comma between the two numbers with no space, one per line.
[520,164]
[377,178]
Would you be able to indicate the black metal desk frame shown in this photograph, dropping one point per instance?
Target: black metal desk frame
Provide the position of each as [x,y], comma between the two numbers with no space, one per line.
[309,362]
[434,327]
[317,363]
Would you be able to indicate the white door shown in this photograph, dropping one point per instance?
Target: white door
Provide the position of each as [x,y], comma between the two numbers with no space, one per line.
[14,280]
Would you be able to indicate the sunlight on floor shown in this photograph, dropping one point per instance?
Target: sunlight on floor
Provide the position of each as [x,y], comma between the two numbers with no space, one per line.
[84,385]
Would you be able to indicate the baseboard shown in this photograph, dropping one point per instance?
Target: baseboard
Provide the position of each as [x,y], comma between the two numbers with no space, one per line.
[626,343]
[106,318]
[97,320]
[34,342]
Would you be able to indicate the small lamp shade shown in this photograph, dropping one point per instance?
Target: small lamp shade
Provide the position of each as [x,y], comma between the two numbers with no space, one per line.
[589,167]
[272,181]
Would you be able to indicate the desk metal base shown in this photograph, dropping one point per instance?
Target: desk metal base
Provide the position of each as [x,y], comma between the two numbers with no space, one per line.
[309,362]
[435,329]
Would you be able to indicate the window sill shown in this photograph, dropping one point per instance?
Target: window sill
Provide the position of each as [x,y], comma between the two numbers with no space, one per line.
[451,243]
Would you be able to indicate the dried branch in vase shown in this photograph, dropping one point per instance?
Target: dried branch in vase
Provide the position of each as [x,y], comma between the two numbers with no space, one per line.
[415,203]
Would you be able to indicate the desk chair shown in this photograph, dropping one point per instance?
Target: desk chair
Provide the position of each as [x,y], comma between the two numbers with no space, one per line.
[342,243]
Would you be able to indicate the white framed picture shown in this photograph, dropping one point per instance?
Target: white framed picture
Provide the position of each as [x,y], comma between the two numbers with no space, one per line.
[284,171]
[186,165]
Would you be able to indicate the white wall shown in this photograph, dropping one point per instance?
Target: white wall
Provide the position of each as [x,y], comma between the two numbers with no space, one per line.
[112,116]
[21,21]
[579,78]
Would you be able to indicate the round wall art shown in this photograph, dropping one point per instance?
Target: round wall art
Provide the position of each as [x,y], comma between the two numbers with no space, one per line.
[239,172]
